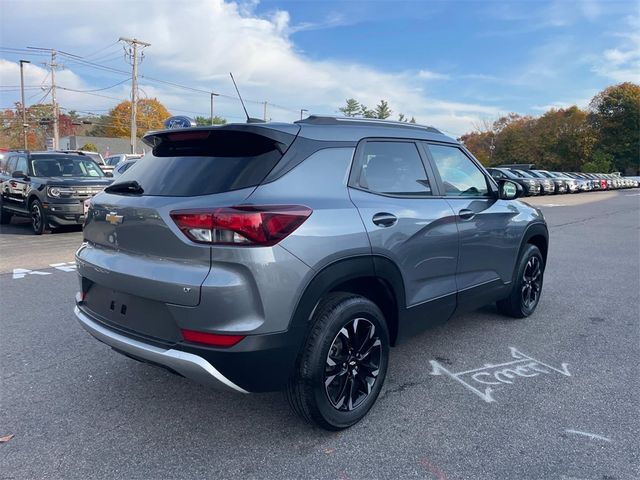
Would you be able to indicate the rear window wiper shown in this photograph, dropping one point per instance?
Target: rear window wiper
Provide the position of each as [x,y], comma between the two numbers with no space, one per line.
[131,187]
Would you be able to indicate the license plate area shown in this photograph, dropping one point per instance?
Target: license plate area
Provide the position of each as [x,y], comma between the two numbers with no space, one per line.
[136,314]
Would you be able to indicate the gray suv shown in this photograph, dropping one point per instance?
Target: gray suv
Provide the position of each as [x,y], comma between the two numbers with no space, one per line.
[261,257]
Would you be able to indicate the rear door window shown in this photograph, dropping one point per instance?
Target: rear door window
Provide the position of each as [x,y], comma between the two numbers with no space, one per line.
[205,162]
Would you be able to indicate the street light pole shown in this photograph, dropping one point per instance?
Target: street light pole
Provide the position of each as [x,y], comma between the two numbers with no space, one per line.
[302,111]
[24,108]
[212,95]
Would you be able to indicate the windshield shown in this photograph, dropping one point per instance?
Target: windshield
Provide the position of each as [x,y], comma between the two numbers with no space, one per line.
[520,173]
[62,166]
[96,157]
[542,173]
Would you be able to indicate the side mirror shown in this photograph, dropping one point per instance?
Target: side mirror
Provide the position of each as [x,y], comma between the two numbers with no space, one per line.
[18,174]
[510,190]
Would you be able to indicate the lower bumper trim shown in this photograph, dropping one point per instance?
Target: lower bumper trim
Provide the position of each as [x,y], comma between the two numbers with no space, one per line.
[186,364]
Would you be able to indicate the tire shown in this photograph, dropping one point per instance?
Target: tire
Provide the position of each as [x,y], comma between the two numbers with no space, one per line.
[527,285]
[323,393]
[38,217]
[5,216]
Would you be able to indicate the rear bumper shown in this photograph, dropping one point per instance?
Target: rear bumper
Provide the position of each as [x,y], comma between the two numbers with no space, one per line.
[187,364]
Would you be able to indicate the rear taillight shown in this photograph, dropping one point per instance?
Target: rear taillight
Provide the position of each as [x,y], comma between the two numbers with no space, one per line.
[241,225]
[213,339]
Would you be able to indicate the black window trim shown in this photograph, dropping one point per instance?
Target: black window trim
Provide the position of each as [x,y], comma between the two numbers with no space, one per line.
[354,175]
[492,186]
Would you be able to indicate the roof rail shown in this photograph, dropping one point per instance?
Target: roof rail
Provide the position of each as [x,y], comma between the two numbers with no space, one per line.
[331,120]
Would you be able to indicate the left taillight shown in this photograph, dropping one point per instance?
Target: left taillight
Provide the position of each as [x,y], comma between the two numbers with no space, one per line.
[248,225]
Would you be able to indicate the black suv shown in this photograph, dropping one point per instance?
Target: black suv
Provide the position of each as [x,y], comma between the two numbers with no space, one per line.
[49,187]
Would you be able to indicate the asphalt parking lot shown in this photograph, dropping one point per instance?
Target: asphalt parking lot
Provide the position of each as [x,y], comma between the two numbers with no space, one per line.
[455,405]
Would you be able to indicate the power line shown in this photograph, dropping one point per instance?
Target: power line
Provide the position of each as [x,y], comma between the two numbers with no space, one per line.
[98,89]
[90,93]
[101,49]
[85,62]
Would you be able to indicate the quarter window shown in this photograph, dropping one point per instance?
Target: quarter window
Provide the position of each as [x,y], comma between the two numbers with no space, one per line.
[460,176]
[393,168]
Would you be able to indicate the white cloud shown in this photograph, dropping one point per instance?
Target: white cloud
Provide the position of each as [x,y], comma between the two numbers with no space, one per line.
[198,42]
[622,63]
[429,75]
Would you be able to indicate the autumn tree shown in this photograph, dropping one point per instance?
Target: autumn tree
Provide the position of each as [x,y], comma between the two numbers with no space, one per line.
[89,147]
[99,126]
[514,141]
[615,118]
[40,126]
[563,139]
[151,115]
[480,143]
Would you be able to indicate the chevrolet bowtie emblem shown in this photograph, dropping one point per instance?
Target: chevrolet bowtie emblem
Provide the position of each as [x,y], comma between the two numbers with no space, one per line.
[113,218]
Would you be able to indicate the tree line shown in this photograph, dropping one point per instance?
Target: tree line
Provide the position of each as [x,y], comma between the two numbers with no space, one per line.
[382,111]
[601,139]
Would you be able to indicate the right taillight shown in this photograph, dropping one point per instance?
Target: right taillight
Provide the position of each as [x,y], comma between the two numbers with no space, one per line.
[249,225]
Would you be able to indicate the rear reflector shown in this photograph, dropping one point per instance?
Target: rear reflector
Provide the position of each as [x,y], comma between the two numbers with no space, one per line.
[249,225]
[213,339]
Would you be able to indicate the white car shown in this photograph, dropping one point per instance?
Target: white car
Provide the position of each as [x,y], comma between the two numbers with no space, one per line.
[114,160]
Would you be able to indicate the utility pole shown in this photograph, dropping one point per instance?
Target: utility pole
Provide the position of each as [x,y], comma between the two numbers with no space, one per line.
[56,130]
[24,107]
[212,95]
[264,115]
[134,43]
[56,109]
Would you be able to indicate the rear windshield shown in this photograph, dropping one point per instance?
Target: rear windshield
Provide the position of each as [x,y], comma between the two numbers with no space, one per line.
[188,166]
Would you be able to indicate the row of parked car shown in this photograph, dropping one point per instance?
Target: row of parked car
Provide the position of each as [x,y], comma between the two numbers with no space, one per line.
[55,188]
[544,182]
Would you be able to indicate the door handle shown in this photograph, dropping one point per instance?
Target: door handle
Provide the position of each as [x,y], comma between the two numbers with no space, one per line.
[384,219]
[466,214]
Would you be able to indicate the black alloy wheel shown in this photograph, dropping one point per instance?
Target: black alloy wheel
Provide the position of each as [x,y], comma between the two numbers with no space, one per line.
[526,287]
[38,218]
[532,283]
[353,364]
[343,363]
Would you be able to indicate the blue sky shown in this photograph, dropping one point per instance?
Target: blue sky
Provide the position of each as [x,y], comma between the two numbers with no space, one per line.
[450,64]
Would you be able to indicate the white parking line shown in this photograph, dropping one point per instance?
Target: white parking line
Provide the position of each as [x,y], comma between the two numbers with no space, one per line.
[21,272]
[63,267]
[590,435]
